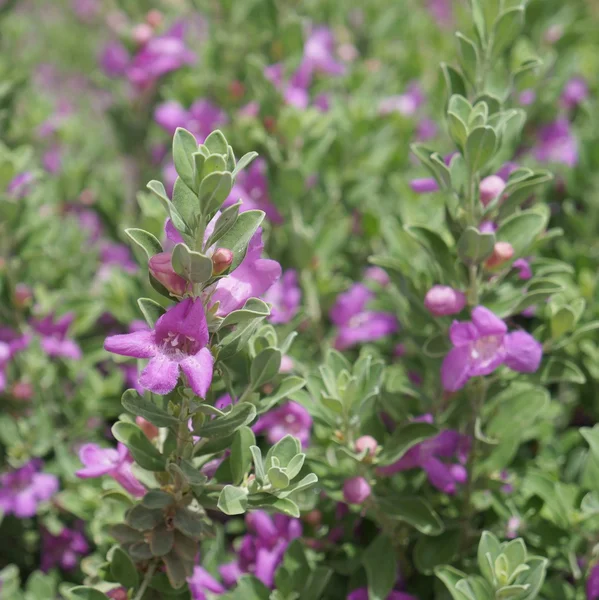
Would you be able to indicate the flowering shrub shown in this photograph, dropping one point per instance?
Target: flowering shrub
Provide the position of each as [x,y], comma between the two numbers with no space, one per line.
[290,312]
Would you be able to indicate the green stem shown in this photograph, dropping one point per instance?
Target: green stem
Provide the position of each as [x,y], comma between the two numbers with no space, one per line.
[146,581]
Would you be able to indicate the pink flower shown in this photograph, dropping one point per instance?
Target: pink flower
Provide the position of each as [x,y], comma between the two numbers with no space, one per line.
[285,296]
[356,490]
[489,188]
[63,550]
[109,461]
[523,266]
[575,92]
[114,59]
[177,343]
[424,186]
[289,418]
[53,336]
[557,144]
[442,300]
[482,345]
[592,587]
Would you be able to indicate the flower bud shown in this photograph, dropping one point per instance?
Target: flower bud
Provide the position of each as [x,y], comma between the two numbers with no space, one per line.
[424,186]
[162,270]
[442,300]
[150,430]
[313,518]
[22,390]
[119,593]
[366,443]
[23,295]
[221,260]
[502,252]
[142,34]
[154,18]
[356,490]
[490,187]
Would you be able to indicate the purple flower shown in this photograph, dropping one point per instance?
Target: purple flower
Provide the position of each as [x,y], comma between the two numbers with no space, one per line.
[441,11]
[252,278]
[425,185]
[20,185]
[513,525]
[527,97]
[23,489]
[428,454]
[377,275]
[285,296]
[52,159]
[262,549]
[442,300]
[289,418]
[593,583]
[319,53]
[204,117]
[10,343]
[523,266]
[63,550]
[557,144]
[482,345]
[161,55]
[251,187]
[489,188]
[357,324]
[200,582]
[405,104]
[53,336]
[109,461]
[170,115]
[426,130]
[178,342]
[574,93]
[117,254]
[114,59]
[356,490]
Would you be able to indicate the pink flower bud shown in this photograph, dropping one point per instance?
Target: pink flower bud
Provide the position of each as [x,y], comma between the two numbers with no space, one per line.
[221,260]
[366,442]
[23,295]
[443,300]
[142,34]
[502,252]
[162,270]
[154,18]
[490,187]
[356,490]
[22,390]
[150,430]
[119,593]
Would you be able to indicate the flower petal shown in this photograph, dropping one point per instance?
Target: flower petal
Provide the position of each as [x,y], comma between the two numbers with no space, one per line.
[98,461]
[523,352]
[462,333]
[488,323]
[439,475]
[455,370]
[161,375]
[198,370]
[139,344]
[186,318]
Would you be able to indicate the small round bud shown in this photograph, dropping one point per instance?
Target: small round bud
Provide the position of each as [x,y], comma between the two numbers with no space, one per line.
[22,390]
[356,490]
[119,593]
[313,518]
[221,260]
[366,443]
[154,18]
[442,300]
[502,252]
[142,34]
[150,430]
[162,270]
[490,187]
[23,295]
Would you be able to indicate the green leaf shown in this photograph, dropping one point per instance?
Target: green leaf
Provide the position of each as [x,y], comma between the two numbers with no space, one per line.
[214,190]
[254,308]
[521,229]
[468,54]
[288,386]
[161,540]
[158,190]
[520,186]
[295,465]
[435,246]
[82,592]
[308,481]
[216,142]
[431,552]
[317,582]
[244,162]
[480,147]
[157,499]
[186,204]
[233,500]
[224,223]
[142,450]
[142,518]
[534,577]
[239,415]
[284,451]
[278,478]
[489,549]
[213,163]
[381,567]
[123,570]
[145,240]
[474,247]
[184,146]
[141,407]
[415,511]
[192,266]
[151,310]
[177,569]
[248,588]
[434,163]
[454,81]
[403,439]
[241,454]
[506,29]
[258,464]
[239,236]
[557,370]
[563,321]
[451,577]
[265,367]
